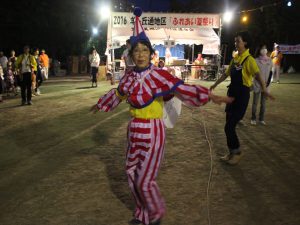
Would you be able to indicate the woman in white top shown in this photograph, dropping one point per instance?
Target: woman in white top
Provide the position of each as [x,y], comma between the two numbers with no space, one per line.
[94,60]
[265,66]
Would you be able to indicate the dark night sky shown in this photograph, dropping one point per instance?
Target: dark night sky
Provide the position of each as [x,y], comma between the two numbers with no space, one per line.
[215,6]
[63,26]
[154,5]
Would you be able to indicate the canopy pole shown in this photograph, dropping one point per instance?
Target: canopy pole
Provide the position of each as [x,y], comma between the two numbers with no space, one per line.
[113,64]
[193,53]
[109,58]
[220,50]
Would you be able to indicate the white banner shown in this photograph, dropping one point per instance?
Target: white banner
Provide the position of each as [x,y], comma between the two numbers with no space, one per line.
[211,49]
[289,49]
[167,20]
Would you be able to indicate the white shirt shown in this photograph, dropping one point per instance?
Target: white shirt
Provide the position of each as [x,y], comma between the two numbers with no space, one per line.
[26,68]
[1,73]
[3,62]
[94,60]
[265,68]
[128,60]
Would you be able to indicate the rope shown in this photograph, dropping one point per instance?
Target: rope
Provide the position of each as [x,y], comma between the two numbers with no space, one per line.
[208,139]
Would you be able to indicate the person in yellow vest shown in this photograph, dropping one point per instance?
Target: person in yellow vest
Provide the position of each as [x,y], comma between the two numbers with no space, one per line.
[276,57]
[242,69]
[26,64]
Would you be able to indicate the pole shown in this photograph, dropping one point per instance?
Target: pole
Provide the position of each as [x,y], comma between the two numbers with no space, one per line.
[220,49]
[193,46]
[225,53]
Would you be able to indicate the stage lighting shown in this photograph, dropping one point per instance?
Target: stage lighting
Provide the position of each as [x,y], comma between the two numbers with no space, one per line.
[95,31]
[227,17]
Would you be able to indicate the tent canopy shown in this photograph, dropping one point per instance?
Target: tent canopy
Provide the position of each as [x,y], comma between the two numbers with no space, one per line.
[184,36]
[181,28]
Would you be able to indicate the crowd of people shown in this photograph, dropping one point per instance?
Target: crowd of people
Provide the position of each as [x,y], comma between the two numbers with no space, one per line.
[24,73]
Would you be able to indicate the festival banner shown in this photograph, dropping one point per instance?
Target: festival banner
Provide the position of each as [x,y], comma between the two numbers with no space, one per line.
[289,49]
[167,20]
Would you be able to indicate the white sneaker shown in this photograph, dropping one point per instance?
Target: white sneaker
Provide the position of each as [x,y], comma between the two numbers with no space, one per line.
[225,158]
[262,123]
[253,122]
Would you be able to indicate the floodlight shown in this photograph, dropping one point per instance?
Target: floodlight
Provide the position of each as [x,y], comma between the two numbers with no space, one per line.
[227,17]
[95,31]
[104,11]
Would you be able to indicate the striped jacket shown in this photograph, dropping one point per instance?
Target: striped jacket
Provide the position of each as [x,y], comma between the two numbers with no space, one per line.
[141,88]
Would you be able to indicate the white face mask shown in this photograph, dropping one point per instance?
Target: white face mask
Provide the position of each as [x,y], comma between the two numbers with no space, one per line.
[263,51]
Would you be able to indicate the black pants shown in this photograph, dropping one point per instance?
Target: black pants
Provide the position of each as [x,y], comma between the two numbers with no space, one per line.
[39,80]
[94,74]
[2,86]
[26,87]
[17,80]
[38,84]
[234,113]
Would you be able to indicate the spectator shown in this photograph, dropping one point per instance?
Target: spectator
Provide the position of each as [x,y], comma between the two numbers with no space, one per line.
[26,64]
[265,65]
[9,80]
[38,73]
[94,60]
[3,62]
[12,60]
[44,61]
[276,57]
[1,83]
[161,65]
[129,64]
[33,74]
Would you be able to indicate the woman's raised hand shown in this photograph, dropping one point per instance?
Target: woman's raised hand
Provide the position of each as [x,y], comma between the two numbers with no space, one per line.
[213,87]
[220,99]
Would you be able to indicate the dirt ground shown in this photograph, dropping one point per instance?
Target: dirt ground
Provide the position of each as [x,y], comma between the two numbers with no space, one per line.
[61,165]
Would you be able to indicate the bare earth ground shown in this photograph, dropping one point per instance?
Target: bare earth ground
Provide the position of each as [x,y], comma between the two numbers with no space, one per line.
[61,165]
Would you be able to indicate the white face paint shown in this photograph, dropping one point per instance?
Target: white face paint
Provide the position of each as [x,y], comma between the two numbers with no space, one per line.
[263,51]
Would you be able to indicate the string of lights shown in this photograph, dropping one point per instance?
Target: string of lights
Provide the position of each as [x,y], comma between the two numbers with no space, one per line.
[227,16]
[261,8]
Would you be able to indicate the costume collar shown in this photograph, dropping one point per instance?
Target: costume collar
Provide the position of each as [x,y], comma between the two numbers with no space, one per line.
[142,70]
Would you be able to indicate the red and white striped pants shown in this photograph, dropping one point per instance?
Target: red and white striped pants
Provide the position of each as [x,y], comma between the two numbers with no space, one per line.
[146,140]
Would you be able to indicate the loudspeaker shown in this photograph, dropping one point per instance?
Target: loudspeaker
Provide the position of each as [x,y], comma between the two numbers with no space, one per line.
[115,44]
[169,43]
